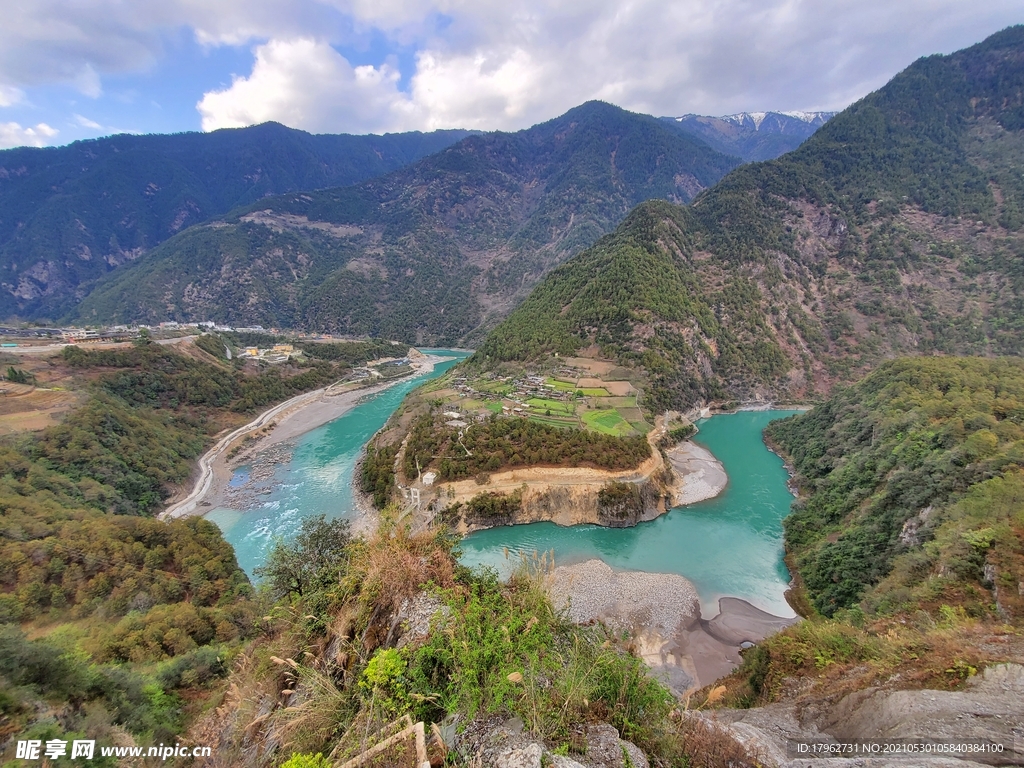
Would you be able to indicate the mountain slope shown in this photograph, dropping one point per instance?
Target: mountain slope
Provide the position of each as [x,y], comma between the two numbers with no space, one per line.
[909,455]
[895,229]
[427,253]
[752,135]
[71,214]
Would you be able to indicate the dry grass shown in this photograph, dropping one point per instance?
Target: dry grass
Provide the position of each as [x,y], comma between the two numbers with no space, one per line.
[316,707]
[366,733]
[30,408]
[394,565]
[831,659]
[34,410]
[705,744]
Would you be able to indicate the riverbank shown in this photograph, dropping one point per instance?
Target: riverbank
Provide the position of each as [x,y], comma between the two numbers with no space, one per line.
[698,474]
[277,426]
[661,612]
[571,496]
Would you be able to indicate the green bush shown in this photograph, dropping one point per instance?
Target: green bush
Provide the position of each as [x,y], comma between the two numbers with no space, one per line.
[504,650]
[307,761]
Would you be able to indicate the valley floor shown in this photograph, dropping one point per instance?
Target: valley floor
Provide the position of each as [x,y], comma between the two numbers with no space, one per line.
[274,429]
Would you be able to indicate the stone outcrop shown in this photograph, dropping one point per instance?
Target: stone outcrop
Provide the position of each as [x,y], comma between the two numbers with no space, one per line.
[508,746]
[990,708]
[575,504]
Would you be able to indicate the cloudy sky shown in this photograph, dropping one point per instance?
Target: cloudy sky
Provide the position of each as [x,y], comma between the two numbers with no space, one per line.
[73,69]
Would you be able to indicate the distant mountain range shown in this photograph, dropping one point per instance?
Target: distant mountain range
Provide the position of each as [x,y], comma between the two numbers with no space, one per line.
[435,252]
[897,228]
[753,136]
[72,214]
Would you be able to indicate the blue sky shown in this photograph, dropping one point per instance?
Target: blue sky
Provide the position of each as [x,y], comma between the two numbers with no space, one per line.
[76,69]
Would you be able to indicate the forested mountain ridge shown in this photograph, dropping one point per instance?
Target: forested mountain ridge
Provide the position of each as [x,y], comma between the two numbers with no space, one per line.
[922,450]
[753,136]
[71,214]
[427,253]
[895,229]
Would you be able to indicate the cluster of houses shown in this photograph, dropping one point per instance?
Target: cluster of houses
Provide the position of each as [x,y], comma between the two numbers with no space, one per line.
[70,335]
[205,325]
[522,390]
[279,353]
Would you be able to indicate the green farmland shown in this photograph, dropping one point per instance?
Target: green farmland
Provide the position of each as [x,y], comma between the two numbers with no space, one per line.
[608,422]
[555,406]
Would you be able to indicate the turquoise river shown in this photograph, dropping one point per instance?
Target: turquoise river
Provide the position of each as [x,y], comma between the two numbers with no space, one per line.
[729,545]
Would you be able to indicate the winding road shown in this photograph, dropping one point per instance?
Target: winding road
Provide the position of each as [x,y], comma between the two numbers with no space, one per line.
[187,506]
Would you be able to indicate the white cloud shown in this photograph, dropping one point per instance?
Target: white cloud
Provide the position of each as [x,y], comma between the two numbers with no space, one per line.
[13,135]
[307,84]
[87,81]
[478,91]
[85,122]
[10,96]
[508,65]
[495,63]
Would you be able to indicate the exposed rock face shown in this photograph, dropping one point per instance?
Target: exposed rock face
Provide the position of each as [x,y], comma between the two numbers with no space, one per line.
[584,504]
[509,746]
[513,757]
[990,708]
[577,503]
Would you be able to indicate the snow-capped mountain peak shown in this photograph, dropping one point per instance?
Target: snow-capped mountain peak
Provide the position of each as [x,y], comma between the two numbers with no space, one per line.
[810,117]
[741,118]
[757,118]
[754,135]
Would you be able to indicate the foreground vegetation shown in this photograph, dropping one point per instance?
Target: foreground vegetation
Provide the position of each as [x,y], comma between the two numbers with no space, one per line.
[822,660]
[343,658]
[131,618]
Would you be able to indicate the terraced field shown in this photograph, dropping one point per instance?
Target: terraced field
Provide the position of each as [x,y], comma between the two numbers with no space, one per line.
[584,396]
[24,408]
[608,421]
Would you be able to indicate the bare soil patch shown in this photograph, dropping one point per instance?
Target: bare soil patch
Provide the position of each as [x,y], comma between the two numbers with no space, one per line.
[596,367]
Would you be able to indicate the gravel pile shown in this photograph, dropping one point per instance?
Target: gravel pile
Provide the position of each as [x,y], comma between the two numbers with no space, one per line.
[625,600]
